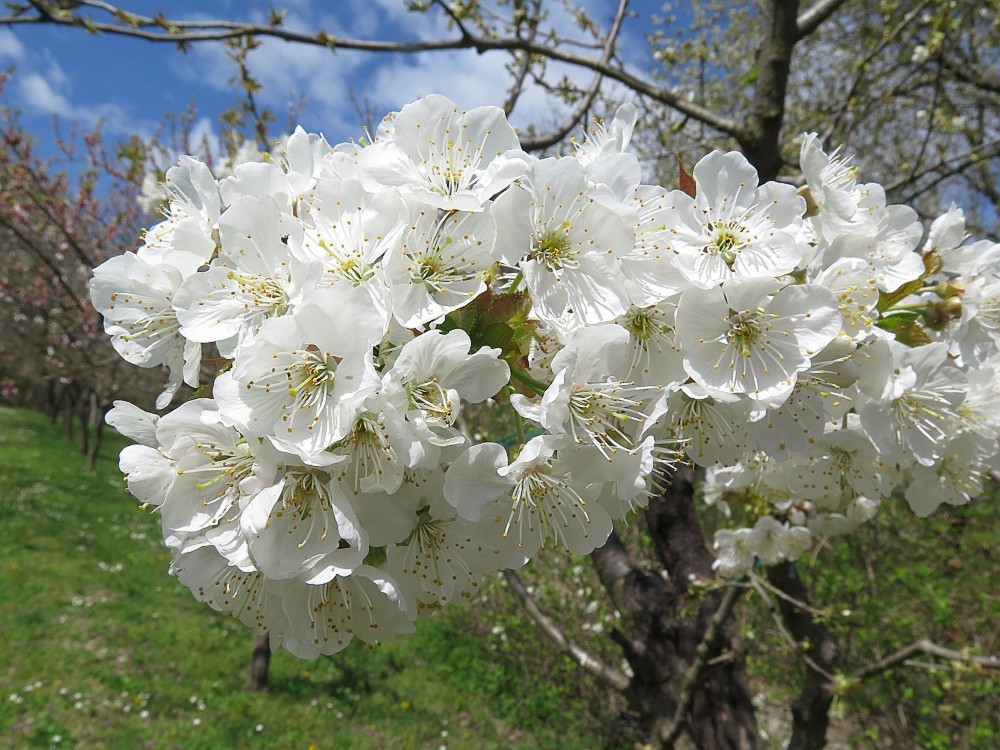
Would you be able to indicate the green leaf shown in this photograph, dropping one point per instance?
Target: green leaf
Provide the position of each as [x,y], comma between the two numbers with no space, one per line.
[912,334]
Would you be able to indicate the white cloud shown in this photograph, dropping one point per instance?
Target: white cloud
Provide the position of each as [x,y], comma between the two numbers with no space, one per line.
[38,94]
[10,46]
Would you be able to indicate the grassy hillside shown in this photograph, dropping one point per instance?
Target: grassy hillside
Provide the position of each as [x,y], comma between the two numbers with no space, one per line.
[103,649]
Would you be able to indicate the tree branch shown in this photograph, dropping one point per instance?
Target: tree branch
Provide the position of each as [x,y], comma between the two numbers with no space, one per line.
[525,64]
[808,21]
[979,154]
[186,32]
[670,734]
[544,141]
[762,127]
[786,635]
[595,666]
[862,66]
[971,75]
[818,648]
[930,649]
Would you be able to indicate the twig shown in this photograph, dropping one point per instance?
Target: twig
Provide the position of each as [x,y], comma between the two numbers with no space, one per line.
[539,142]
[860,76]
[788,597]
[788,637]
[599,669]
[184,32]
[930,649]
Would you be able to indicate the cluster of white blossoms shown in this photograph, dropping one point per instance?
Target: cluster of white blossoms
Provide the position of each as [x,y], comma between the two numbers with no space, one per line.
[801,344]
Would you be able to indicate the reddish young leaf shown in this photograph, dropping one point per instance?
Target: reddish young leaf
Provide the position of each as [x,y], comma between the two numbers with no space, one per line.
[687,183]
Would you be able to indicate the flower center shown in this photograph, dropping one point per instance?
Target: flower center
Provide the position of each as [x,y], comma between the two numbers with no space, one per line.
[725,243]
[598,411]
[989,313]
[313,370]
[355,271]
[643,325]
[553,249]
[368,443]
[744,330]
[430,398]
[264,292]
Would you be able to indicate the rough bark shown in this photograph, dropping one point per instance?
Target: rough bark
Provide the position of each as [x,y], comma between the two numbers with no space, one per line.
[760,136]
[811,710]
[665,625]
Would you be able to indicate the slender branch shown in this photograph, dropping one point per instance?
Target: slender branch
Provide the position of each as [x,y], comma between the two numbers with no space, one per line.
[785,634]
[925,141]
[809,20]
[788,597]
[930,649]
[550,139]
[988,150]
[973,76]
[599,669]
[693,674]
[866,61]
[57,278]
[186,32]
[453,17]
[517,87]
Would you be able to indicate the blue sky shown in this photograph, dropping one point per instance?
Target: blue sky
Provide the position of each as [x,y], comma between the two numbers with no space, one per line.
[129,85]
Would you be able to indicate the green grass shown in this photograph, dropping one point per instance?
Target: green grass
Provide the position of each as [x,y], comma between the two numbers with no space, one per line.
[103,649]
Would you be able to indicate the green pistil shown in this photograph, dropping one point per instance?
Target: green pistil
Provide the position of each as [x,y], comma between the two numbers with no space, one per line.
[318,371]
[553,249]
[725,243]
[744,332]
[642,325]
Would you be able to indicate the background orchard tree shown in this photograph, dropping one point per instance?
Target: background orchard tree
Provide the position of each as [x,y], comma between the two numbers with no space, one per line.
[918,79]
[55,356]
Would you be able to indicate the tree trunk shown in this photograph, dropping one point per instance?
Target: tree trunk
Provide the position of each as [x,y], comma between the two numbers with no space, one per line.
[69,408]
[85,415]
[811,710]
[53,401]
[666,624]
[260,662]
[97,414]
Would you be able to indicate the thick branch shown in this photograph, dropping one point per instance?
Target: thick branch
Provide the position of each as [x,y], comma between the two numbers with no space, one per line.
[809,20]
[694,672]
[811,710]
[595,666]
[762,129]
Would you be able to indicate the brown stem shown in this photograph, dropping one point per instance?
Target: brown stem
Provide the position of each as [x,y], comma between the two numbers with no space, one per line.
[260,662]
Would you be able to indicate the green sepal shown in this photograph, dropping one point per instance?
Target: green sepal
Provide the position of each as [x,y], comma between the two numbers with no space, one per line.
[376,557]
